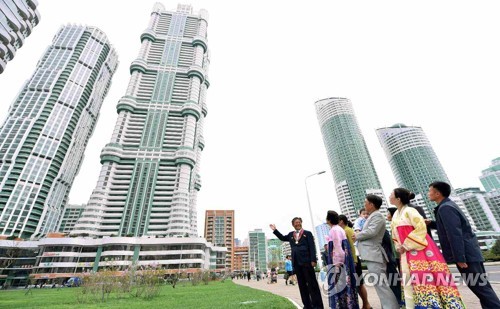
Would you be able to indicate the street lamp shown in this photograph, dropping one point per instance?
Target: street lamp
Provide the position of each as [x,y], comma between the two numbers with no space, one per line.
[316,241]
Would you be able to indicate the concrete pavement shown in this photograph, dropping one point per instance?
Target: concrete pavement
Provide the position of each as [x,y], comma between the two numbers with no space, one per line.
[292,292]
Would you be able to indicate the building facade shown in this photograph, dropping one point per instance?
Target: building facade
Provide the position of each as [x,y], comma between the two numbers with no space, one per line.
[350,162]
[219,230]
[257,250]
[237,242]
[479,208]
[64,257]
[490,177]
[71,214]
[17,20]
[44,137]
[241,260]
[322,232]
[493,199]
[150,169]
[274,253]
[17,260]
[286,249]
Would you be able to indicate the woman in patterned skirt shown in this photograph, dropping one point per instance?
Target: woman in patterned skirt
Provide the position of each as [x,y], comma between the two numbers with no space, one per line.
[427,281]
[341,280]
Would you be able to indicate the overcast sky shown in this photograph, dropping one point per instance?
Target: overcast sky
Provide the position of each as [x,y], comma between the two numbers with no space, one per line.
[433,64]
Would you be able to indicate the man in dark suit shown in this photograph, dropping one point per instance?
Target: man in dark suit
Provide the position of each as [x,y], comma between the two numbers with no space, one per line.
[459,244]
[303,260]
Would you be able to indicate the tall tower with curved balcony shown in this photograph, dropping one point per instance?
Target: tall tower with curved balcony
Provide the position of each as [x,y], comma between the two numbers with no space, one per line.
[43,139]
[150,169]
[350,162]
[414,163]
[17,20]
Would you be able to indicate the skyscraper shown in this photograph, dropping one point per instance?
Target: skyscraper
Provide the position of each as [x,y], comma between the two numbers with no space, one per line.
[17,20]
[490,177]
[219,230]
[322,231]
[414,163]
[350,162]
[49,124]
[150,169]
[257,252]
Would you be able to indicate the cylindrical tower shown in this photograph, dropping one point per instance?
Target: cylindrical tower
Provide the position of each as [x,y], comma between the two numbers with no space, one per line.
[350,162]
[414,163]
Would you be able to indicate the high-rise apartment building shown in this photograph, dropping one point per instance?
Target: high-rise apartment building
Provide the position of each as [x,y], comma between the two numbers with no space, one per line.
[479,207]
[350,162]
[219,230]
[70,216]
[286,249]
[43,139]
[490,177]
[17,20]
[493,199]
[237,242]
[150,169]
[414,163]
[322,231]
[241,261]
[257,253]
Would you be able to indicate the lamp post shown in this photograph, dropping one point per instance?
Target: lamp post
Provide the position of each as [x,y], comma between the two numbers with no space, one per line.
[316,243]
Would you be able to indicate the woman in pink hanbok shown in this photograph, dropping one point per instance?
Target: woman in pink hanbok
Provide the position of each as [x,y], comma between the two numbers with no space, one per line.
[341,280]
[427,281]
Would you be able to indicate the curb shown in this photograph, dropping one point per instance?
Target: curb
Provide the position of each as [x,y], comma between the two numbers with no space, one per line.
[293,302]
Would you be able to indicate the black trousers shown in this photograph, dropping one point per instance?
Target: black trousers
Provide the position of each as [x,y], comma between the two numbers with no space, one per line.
[482,288]
[308,286]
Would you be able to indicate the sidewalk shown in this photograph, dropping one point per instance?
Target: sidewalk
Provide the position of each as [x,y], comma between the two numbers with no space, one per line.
[292,292]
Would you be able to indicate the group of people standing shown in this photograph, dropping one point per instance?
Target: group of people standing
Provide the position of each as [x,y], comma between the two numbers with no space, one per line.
[405,265]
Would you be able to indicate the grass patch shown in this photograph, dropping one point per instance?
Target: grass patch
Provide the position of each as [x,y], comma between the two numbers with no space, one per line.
[214,295]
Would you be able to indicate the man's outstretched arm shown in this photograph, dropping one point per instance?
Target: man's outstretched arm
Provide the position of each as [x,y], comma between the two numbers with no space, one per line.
[277,233]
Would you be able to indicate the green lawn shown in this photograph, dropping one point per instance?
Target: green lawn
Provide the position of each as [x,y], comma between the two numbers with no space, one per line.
[215,295]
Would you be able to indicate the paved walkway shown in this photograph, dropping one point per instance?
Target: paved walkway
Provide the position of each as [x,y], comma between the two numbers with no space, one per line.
[292,292]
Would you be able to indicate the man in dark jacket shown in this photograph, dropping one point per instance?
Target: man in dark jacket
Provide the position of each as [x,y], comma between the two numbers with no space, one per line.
[324,255]
[303,260]
[459,244]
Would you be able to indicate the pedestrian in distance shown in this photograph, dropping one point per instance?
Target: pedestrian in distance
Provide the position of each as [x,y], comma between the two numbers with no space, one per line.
[289,270]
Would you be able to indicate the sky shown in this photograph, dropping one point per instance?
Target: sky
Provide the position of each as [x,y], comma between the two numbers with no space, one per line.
[432,64]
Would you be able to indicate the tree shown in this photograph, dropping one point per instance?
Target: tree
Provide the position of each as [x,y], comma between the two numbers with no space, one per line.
[496,248]
[10,254]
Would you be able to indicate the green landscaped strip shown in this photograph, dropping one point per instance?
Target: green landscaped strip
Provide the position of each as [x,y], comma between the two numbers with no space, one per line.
[214,295]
